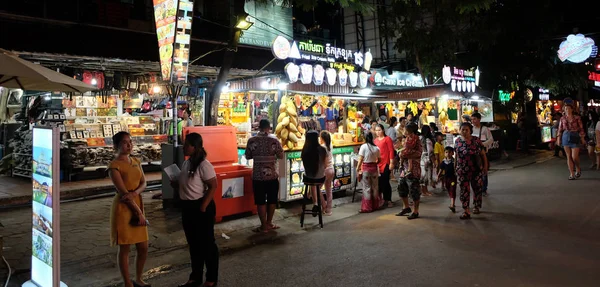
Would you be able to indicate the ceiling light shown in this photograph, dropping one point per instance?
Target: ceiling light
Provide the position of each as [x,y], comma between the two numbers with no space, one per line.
[282,86]
[94,81]
[156,89]
[365,92]
[475,97]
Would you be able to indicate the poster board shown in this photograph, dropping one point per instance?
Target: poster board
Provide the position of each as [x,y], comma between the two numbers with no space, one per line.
[45,253]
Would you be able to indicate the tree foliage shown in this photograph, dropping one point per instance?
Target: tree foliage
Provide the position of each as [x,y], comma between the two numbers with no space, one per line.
[364,6]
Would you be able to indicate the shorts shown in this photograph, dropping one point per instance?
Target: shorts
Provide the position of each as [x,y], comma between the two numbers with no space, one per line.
[265,191]
[409,185]
[565,139]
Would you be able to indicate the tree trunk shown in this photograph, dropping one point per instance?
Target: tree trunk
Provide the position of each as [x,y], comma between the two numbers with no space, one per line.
[418,62]
[215,92]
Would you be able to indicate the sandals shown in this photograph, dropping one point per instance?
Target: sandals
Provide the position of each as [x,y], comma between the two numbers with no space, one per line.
[578,174]
[404,212]
[413,216]
[260,230]
[476,211]
[465,216]
[571,177]
[452,208]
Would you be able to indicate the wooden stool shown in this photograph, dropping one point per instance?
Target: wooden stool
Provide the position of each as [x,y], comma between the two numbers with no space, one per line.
[308,183]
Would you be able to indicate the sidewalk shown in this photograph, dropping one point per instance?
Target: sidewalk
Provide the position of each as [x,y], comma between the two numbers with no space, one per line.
[16,191]
[517,159]
[88,260]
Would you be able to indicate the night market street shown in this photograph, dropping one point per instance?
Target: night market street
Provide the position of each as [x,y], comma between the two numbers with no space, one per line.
[536,229]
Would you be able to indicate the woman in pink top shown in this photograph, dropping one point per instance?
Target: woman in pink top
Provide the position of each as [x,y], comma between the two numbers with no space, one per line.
[571,136]
[386,164]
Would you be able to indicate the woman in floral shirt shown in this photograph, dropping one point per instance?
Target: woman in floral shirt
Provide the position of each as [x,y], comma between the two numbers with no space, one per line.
[471,165]
[411,171]
[571,136]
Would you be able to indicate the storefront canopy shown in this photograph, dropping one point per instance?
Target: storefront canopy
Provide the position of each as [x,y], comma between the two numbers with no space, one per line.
[20,74]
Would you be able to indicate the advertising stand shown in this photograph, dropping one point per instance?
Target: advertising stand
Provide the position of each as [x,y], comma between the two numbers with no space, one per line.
[45,251]
[234,182]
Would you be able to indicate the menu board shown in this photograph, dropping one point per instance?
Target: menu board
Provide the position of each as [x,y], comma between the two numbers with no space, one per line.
[165,12]
[342,164]
[45,259]
[295,176]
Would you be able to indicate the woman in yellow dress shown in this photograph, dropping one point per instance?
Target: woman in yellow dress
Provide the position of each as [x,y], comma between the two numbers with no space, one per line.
[127,220]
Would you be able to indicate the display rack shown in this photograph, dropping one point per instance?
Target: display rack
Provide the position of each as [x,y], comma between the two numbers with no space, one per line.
[20,171]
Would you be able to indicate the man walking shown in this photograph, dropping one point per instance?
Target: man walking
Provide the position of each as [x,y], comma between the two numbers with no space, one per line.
[485,135]
[265,149]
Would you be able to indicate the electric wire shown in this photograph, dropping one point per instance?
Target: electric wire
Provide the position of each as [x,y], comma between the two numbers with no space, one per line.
[9,271]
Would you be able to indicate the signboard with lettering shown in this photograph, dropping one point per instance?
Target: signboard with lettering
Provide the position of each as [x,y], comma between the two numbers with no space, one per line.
[505,96]
[461,80]
[269,20]
[382,79]
[544,94]
[317,52]
[576,48]
[594,76]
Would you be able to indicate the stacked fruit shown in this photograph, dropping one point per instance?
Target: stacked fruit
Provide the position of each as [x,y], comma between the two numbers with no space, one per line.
[287,129]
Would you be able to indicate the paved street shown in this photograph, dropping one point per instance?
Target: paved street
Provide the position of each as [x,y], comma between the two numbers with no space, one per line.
[537,229]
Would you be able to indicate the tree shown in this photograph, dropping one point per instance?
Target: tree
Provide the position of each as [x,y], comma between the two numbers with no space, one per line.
[432,32]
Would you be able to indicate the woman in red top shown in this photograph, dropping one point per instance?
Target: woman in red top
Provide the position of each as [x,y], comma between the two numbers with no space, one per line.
[386,164]
[571,136]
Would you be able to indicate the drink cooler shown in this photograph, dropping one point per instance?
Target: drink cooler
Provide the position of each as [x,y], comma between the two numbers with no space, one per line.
[221,146]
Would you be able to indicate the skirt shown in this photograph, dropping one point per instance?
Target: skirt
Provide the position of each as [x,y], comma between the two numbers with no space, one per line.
[565,139]
[121,231]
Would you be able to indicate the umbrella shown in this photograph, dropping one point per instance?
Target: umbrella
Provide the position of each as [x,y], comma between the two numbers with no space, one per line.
[17,73]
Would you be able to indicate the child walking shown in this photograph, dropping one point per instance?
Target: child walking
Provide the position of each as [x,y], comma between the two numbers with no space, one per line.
[447,172]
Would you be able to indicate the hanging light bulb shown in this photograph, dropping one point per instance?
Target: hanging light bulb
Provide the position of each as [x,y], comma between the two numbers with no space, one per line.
[94,81]
[156,89]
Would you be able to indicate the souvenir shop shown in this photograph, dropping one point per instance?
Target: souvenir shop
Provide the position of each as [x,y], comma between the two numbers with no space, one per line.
[134,102]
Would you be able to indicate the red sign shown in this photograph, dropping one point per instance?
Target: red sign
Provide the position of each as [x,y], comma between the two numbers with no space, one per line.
[594,76]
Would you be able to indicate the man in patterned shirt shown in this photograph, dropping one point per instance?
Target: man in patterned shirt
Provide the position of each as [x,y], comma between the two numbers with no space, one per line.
[411,171]
[265,149]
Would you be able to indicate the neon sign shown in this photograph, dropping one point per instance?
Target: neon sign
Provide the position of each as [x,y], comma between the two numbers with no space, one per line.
[576,49]
[505,96]
[461,80]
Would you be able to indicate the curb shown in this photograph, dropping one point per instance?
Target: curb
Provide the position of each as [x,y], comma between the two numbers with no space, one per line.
[68,195]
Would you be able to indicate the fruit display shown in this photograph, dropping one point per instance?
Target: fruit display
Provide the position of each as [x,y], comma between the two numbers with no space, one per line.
[288,130]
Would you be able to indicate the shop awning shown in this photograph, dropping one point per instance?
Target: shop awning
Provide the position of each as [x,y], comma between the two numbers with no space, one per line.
[59,61]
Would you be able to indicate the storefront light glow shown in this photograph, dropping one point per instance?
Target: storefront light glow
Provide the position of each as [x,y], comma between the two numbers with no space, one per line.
[94,81]
[475,97]
[365,92]
[225,89]
[156,89]
[350,98]
[282,86]
[265,84]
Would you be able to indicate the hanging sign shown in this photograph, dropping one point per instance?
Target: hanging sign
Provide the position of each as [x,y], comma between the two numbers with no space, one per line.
[505,96]
[270,19]
[45,259]
[544,94]
[381,78]
[593,76]
[576,49]
[181,57]
[281,48]
[363,79]
[331,75]
[293,71]
[343,76]
[165,12]
[306,73]
[461,80]
[318,74]
[353,79]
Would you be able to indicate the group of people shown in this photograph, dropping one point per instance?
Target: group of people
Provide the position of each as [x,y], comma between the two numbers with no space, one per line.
[396,148]
[420,159]
[572,134]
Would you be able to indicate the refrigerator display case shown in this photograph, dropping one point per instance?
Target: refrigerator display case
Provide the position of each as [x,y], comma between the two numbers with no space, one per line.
[234,194]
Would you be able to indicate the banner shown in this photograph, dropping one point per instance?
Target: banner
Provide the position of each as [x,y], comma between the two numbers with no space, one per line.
[181,56]
[165,17]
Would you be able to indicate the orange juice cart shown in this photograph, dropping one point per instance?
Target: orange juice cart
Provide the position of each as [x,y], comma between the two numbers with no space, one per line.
[234,182]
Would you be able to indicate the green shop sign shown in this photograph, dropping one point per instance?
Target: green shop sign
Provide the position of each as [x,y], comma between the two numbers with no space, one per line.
[294,154]
[310,47]
[340,150]
[505,96]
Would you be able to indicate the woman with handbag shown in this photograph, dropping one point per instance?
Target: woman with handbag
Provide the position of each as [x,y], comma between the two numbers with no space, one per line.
[197,184]
[471,165]
[368,173]
[127,219]
[572,136]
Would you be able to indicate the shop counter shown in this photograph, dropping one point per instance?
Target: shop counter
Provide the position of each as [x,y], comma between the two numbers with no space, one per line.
[234,194]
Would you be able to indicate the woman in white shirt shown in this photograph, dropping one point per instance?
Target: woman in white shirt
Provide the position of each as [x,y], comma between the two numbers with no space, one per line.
[325,140]
[197,185]
[368,157]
